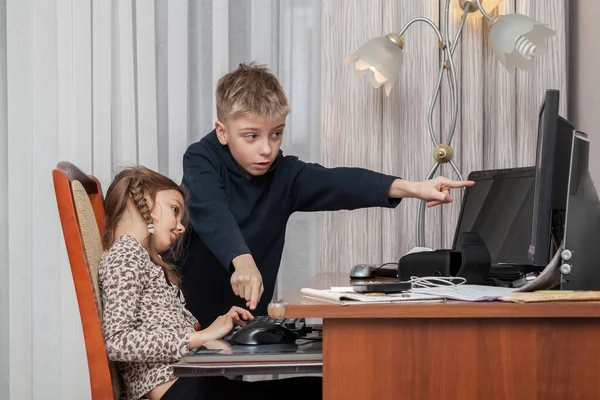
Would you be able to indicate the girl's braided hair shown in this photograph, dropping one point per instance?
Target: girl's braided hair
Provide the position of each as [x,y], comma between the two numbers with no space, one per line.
[136,190]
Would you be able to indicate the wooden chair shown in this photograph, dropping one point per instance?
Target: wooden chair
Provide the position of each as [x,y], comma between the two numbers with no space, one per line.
[81,209]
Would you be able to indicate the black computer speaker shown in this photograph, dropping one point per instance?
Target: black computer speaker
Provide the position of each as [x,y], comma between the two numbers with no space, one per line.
[471,261]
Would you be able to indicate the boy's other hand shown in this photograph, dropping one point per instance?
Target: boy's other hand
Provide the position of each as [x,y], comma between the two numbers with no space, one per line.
[437,191]
[246,280]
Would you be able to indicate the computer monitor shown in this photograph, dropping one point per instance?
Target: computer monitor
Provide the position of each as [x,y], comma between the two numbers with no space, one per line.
[580,266]
[499,208]
[552,163]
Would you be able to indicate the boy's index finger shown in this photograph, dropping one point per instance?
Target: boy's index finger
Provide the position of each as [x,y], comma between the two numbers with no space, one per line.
[457,184]
[463,183]
[254,295]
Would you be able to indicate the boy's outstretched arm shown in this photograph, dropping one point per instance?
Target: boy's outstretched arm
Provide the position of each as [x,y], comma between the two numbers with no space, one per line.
[213,221]
[316,188]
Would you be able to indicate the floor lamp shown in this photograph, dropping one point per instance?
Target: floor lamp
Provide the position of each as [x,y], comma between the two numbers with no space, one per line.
[514,38]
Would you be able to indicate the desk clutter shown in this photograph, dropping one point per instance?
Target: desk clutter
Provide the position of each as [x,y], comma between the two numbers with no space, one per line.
[455,276]
[461,273]
[463,292]
[348,296]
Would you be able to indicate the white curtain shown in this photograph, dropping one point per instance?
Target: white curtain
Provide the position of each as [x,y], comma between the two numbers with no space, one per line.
[105,84]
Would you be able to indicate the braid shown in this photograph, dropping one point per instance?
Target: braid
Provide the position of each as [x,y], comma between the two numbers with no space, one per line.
[136,190]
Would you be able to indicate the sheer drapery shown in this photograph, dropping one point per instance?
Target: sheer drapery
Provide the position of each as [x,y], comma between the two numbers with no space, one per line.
[105,84]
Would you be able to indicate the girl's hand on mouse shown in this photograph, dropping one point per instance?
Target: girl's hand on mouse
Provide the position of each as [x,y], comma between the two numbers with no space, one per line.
[239,315]
[225,323]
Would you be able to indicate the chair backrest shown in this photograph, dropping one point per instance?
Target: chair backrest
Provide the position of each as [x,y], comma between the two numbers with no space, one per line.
[81,210]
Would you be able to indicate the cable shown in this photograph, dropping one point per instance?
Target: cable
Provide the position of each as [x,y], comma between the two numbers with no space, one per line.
[387,263]
[554,242]
[435,281]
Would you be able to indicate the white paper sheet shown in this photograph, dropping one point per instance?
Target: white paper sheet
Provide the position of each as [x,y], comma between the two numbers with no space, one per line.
[466,292]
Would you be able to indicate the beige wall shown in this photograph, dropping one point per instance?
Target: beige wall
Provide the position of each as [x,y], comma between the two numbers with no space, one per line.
[584,79]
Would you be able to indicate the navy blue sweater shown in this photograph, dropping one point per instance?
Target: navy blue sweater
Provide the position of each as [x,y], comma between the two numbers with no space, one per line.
[232,215]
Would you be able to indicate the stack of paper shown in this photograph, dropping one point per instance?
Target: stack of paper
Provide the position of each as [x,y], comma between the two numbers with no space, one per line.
[466,292]
[351,297]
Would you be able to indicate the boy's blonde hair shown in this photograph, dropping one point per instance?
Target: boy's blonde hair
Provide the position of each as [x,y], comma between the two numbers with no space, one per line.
[250,89]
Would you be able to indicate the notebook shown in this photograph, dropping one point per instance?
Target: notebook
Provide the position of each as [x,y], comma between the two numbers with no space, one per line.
[348,296]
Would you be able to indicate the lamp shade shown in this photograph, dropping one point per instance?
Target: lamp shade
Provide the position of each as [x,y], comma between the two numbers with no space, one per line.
[381,55]
[516,39]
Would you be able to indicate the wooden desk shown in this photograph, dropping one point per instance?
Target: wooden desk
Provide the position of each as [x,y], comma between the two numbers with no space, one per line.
[454,350]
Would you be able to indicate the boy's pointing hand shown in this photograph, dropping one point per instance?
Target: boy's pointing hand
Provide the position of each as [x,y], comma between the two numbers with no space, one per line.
[434,191]
[246,281]
[437,191]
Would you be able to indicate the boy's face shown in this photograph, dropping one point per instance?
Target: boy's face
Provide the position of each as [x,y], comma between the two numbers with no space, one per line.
[253,141]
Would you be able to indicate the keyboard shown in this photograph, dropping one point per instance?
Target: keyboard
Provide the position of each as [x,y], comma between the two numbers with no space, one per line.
[296,325]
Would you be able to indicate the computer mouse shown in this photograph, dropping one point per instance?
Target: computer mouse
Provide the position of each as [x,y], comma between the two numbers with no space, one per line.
[363,271]
[263,332]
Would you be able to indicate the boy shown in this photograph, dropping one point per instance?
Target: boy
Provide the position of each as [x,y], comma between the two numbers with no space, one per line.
[243,191]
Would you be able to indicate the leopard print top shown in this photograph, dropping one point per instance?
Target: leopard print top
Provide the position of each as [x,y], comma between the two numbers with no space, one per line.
[145,326]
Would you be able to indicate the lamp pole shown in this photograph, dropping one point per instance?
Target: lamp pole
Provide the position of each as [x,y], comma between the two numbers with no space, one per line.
[443,152]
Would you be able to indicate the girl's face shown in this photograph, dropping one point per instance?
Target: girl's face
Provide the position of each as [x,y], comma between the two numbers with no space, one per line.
[166,214]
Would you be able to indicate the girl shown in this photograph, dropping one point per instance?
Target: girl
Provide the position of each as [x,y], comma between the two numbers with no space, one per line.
[146,327]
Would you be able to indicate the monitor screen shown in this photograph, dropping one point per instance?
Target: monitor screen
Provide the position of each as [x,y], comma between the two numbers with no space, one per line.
[499,208]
